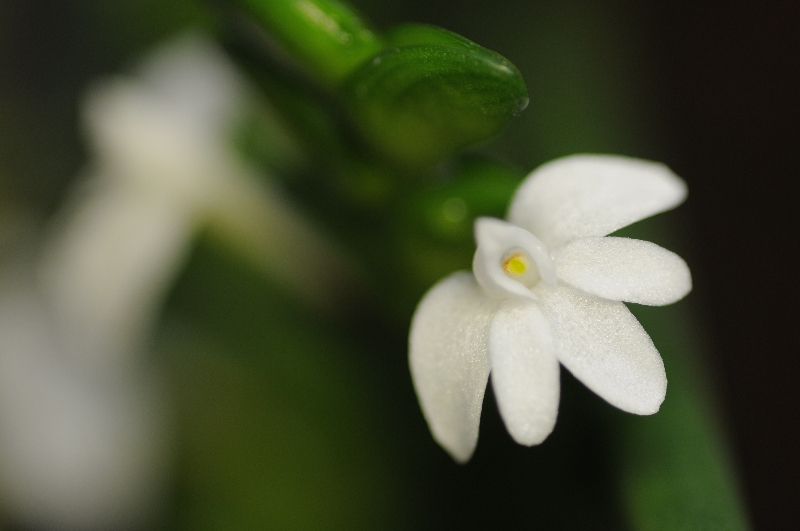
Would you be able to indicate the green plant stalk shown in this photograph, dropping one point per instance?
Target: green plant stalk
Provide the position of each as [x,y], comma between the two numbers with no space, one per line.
[675,472]
[415,97]
[325,35]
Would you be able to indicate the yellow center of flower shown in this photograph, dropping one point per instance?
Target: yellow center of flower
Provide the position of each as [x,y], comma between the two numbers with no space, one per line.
[515,265]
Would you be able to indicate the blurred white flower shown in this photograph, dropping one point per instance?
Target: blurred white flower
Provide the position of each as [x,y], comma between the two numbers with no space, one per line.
[164,168]
[80,448]
[161,168]
[84,435]
[547,288]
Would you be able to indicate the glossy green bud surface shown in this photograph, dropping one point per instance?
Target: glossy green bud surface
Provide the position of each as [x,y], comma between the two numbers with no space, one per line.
[433,95]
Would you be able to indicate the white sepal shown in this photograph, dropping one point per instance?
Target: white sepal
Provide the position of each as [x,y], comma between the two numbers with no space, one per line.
[623,269]
[108,265]
[592,195]
[525,371]
[448,355]
[606,348]
[80,447]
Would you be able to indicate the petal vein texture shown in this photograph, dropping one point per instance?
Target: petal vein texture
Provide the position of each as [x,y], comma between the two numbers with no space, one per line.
[525,371]
[623,269]
[606,348]
[449,360]
[592,195]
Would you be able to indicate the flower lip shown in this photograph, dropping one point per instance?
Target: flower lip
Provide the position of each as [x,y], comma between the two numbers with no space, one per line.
[509,260]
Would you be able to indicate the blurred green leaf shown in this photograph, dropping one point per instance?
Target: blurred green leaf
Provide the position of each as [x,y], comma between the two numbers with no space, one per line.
[676,473]
[273,410]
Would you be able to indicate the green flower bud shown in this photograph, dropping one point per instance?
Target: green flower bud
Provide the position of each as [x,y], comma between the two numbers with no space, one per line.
[435,94]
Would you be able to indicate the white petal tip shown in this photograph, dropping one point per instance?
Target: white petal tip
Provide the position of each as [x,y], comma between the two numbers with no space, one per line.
[647,409]
[459,455]
[648,403]
[530,438]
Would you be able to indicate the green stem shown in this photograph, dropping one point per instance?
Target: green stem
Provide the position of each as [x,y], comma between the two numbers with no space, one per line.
[325,35]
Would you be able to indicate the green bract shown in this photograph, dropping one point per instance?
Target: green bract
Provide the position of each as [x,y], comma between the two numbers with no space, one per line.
[433,95]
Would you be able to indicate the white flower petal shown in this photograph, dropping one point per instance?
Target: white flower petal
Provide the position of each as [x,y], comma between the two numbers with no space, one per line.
[448,354]
[495,239]
[80,448]
[525,371]
[606,348]
[197,80]
[169,126]
[131,128]
[592,195]
[109,264]
[623,269]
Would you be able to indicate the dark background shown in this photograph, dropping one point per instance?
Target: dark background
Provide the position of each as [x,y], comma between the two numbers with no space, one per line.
[731,93]
[723,87]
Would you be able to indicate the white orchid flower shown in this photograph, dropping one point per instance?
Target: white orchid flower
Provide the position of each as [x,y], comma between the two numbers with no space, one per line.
[163,170]
[548,288]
